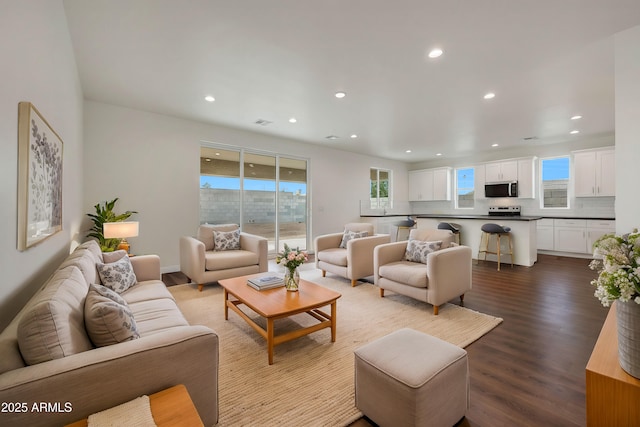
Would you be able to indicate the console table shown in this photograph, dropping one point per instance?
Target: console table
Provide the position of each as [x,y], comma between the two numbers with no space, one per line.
[612,394]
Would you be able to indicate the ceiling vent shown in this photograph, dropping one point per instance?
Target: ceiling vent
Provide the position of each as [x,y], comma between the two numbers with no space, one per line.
[263,122]
[530,138]
[332,137]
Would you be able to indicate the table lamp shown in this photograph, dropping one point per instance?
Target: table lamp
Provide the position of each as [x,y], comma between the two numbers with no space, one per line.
[120,230]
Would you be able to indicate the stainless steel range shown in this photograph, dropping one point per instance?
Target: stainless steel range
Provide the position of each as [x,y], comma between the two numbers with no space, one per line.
[504,210]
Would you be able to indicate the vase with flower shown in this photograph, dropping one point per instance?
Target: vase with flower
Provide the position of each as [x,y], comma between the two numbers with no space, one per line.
[619,280]
[291,259]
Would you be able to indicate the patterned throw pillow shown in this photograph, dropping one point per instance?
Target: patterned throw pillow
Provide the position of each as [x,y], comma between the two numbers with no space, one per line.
[117,276]
[417,250]
[350,235]
[226,240]
[108,318]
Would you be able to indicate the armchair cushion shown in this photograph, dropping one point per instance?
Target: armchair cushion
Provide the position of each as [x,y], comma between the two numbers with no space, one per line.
[335,256]
[349,235]
[417,250]
[407,272]
[222,260]
[226,240]
[205,233]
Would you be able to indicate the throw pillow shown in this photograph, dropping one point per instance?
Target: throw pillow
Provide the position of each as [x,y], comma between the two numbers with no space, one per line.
[108,318]
[109,257]
[226,240]
[417,250]
[350,235]
[118,276]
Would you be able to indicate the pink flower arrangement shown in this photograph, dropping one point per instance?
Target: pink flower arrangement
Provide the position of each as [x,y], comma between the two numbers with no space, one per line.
[292,258]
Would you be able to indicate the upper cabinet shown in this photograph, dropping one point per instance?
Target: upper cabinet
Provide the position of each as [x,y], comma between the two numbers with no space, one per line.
[501,171]
[594,173]
[430,184]
[526,178]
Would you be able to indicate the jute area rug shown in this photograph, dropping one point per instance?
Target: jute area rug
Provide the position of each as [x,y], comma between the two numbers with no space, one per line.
[312,379]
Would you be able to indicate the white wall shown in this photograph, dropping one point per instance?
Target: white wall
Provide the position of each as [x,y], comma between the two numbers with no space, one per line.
[151,162]
[37,66]
[627,66]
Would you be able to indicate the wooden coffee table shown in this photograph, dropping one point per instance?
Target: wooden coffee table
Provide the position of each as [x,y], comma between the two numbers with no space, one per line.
[278,303]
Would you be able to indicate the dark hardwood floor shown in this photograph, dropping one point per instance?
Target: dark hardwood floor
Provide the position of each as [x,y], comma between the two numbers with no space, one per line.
[530,370]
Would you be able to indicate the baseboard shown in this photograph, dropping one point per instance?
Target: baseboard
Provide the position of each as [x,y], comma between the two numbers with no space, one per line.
[170,269]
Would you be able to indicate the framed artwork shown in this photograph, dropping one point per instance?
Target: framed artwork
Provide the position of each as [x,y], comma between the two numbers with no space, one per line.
[39,178]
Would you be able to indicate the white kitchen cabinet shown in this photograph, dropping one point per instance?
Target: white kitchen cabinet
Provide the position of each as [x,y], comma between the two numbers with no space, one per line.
[544,231]
[594,173]
[526,181]
[597,229]
[501,171]
[570,235]
[430,184]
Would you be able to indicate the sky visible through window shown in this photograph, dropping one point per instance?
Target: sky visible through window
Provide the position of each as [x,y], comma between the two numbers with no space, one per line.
[465,181]
[554,169]
[226,183]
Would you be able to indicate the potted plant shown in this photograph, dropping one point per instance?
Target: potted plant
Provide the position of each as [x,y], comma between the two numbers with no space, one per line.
[619,280]
[104,213]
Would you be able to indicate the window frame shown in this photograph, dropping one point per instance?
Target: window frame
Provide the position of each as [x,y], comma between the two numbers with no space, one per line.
[455,187]
[375,202]
[541,181]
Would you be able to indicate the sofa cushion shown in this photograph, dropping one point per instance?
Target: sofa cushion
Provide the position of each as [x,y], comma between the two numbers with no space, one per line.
[205,233]
[226,240]
[335,256]
[118,276]
[108,318]
[417,250]
[53,325]
[158,315]
[85,261]
[93,247]
[406,272]
[350,235]
[147,290]
[221,260]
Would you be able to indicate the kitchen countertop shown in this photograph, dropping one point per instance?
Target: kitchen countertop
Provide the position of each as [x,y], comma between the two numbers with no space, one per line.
[485,217]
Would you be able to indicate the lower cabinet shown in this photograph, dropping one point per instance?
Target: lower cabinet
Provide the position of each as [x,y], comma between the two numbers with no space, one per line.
[572,235]
[544,231]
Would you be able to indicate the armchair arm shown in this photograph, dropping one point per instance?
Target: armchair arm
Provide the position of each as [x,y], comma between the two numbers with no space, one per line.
[360,255]
[192,261]
[387,253]
[327,241]
[146,267]
[257,245]
[449,273]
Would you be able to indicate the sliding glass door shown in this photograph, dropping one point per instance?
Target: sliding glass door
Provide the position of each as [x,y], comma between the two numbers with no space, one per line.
[263,192]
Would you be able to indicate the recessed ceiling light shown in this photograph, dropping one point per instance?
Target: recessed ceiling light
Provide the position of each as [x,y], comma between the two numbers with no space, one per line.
[494,145]
[573,132]
[490,95]
[407,151]
[341,94]
[209,98]
[435,53]
[207,159]
[354,136]
[578,117]
[438,154]
[217,154]
[292,120]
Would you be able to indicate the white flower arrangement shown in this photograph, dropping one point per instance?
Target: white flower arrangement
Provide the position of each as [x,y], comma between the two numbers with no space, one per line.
[619,269]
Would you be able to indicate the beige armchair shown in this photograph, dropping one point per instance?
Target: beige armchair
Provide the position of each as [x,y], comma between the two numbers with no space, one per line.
[354,261]
[446,274]
[202,263]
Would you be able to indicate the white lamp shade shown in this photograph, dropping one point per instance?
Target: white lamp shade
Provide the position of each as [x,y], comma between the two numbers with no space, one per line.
[120,230]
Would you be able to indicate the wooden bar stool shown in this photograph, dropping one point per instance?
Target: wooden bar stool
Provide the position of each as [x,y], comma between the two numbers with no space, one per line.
[454,228]
[489,230]
[406,224]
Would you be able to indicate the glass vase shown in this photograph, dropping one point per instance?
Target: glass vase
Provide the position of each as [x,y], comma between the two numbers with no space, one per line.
[291,280]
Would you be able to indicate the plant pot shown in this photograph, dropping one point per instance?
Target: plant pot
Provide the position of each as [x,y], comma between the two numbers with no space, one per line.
[291,280]
[628,318]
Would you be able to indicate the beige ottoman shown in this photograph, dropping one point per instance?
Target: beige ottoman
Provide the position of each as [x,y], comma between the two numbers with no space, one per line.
[409,378]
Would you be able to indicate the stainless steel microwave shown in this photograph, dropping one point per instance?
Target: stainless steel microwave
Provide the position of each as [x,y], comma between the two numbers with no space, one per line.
[501,189]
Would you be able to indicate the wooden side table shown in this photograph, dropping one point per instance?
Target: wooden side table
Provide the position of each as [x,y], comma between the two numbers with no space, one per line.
[612,394]
[170,407]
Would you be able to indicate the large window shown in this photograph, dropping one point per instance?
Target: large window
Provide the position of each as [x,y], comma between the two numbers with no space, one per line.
[554,185]
[265,193]
[380,188]
[465,188]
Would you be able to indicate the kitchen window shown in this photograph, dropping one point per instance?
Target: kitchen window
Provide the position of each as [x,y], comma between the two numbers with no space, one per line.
[465,188]
[380,188]
[554,182]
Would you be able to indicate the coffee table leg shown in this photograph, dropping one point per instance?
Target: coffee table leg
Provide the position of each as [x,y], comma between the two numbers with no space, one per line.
[270,339]
[333,321]
[226,307]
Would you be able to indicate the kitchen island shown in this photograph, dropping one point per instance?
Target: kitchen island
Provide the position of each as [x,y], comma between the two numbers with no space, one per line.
[523,234]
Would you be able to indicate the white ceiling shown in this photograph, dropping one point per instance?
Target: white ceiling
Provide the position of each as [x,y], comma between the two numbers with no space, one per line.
[546,60]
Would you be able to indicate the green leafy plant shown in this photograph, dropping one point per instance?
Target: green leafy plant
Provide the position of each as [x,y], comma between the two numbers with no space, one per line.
[104,213]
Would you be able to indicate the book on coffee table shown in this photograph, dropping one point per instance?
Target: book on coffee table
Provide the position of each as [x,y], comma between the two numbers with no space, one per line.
[265,282]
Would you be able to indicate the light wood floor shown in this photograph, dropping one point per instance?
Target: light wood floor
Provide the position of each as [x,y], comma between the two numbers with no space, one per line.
[529,371]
